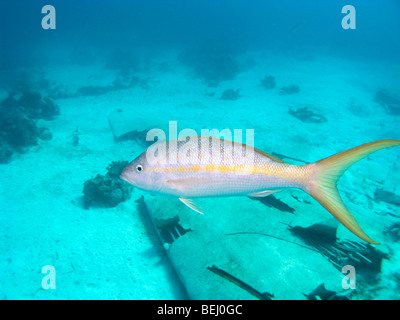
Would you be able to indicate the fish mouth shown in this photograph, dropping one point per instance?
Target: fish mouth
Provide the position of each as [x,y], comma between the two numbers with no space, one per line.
[124,176]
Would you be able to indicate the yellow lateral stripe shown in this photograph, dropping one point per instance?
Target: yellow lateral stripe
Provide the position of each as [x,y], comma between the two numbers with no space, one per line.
[244,169]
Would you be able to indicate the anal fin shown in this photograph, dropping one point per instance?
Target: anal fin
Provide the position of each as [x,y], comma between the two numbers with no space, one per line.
[263,193]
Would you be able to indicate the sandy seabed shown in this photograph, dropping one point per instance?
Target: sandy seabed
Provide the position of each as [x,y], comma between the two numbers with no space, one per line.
[108,253]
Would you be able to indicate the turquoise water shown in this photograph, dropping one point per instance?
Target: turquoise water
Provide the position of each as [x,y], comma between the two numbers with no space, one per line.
[79,97]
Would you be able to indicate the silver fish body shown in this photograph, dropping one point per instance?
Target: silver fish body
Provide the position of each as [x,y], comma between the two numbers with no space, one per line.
[212,167]
[207,167]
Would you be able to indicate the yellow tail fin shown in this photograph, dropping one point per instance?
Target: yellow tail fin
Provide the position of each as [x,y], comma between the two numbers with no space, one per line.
[324,175]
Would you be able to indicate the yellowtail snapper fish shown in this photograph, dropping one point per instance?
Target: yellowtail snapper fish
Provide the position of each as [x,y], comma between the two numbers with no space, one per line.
[213,167]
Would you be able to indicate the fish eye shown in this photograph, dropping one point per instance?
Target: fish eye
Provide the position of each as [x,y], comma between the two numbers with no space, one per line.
[139,168]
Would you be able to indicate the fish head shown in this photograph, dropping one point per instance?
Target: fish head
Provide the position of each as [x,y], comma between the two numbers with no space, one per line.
[141,174]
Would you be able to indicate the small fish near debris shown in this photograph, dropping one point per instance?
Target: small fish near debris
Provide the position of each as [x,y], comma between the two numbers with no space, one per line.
[298,25]
[386,196]
[388,100]
[292,89]
[393,231]
[212,167]
[230,94]
[321,293]
[268,82]
[306,115]
[322,236]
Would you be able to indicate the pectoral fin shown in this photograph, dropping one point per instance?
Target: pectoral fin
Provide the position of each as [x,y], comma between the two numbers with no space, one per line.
[263,193]
[186,183]
[192,205]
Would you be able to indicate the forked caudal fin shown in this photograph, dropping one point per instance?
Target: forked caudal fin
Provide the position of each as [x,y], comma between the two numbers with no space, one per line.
[323,176]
